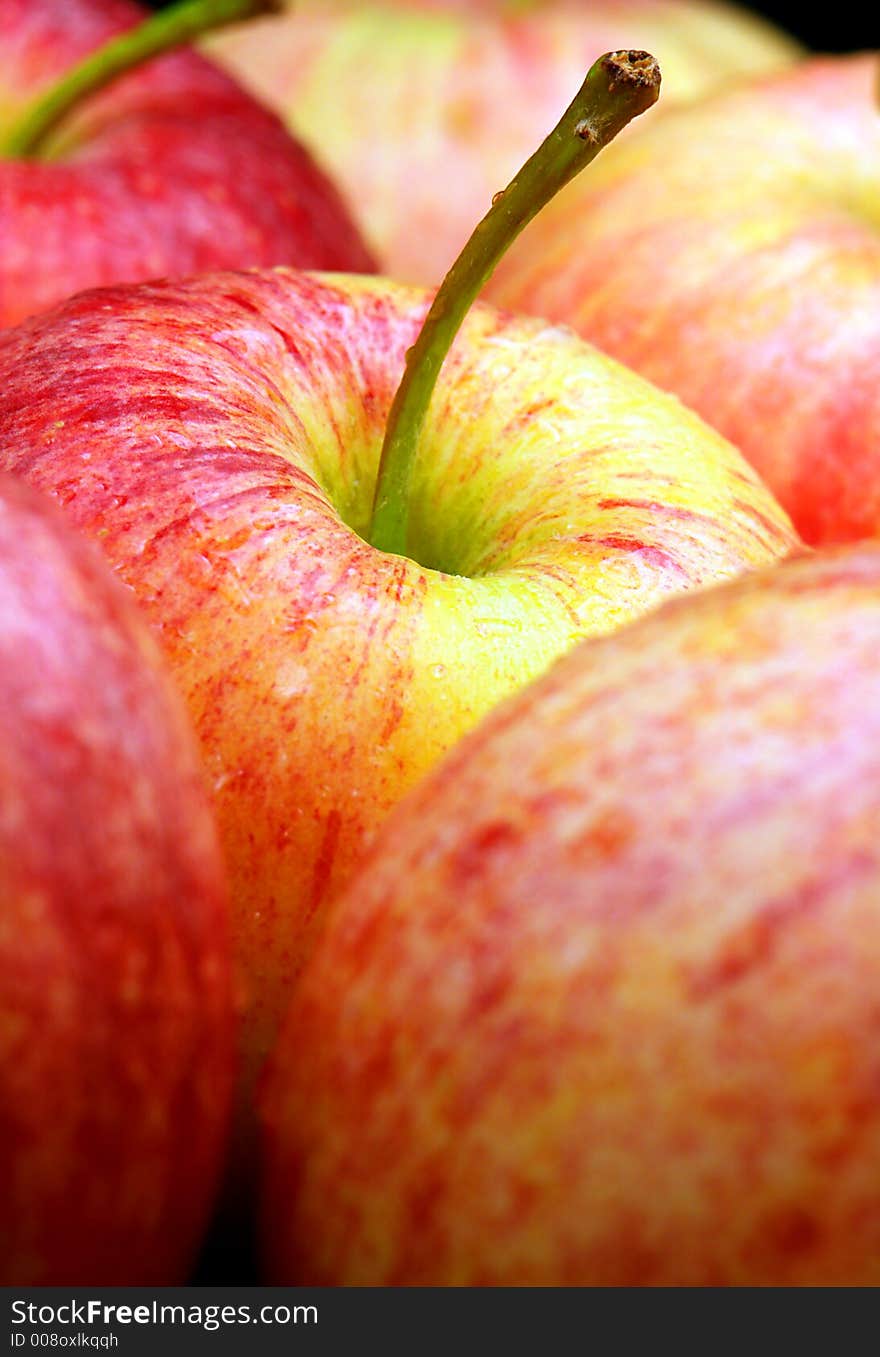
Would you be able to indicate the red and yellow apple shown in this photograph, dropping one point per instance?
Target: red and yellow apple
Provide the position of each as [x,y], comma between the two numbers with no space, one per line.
[220,439]
[116,1017]
[172,170]
[601,1009]
[731,253]
[422,109]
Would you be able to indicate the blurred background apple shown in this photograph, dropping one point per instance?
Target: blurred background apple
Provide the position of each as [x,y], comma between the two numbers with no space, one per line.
[170,169]
[422,109]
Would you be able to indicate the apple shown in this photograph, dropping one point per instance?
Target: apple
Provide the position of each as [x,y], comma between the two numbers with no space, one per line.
[221,437]
[731,253]
[116,1031]
[601,1008]
[172,170]
[422,109]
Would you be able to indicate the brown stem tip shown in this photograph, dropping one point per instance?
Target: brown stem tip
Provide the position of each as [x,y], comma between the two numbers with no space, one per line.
[633,68]
[632,84]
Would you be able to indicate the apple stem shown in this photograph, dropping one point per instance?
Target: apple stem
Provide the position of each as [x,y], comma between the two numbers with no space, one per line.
[618,87]
[167,29]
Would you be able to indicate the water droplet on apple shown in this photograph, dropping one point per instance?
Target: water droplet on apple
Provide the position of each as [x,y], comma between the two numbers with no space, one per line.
[439,670]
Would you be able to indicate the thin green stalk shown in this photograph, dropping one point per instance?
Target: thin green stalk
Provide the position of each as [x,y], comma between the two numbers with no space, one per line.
[618,87]
[163,31]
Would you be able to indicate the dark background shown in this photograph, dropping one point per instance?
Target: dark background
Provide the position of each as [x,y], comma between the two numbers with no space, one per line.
[842,28]
[845,28]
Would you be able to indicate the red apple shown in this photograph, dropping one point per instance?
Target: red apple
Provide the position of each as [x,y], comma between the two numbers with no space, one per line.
[220,439]
[731,253]
[174,169]
[115,1010]
[422,109]
[602,1007]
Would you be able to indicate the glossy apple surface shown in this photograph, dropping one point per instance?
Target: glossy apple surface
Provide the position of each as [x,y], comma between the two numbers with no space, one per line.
[731,253]
[220,439]
[116,1041]
[422,109]
[602,1007]
[172,170]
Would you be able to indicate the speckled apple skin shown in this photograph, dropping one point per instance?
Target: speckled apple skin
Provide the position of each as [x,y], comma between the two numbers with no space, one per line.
[731,253]
[220,439]
[603,1007]
[116,1016]
[422,109]
[172,170]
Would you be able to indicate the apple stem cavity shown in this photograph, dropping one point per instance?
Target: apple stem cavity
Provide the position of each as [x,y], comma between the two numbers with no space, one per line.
[618,87]
[162,32]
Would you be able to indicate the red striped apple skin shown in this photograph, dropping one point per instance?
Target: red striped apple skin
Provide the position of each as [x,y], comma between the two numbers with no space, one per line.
[116,1016]
[731,253]
[423,109]
[602,1006]
[172,170]
[220,439]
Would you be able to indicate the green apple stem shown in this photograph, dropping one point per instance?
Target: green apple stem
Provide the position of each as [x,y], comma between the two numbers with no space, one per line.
[169,28]
[618,87]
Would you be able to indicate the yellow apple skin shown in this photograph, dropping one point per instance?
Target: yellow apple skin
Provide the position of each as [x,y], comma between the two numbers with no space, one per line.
[422,109]
[731,253]
[602,1006]
[220,439]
